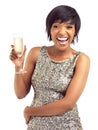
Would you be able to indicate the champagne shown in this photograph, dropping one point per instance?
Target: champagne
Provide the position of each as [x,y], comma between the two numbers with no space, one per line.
[18,44]
[19,48]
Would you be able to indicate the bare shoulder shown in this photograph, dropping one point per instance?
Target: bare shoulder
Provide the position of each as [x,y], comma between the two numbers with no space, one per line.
[35,50]
[83,58]
[83,61]
[33,53]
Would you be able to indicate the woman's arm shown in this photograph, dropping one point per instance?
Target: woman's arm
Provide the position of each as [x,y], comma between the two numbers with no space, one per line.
[22,82]
[73,93]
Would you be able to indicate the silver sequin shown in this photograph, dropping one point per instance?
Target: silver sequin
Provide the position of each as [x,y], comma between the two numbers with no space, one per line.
[50,81]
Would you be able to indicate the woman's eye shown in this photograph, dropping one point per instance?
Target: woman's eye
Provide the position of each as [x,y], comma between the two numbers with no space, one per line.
[55,26]
[69,27]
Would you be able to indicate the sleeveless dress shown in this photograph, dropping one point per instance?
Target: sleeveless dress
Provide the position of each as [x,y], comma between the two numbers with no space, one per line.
[50,81]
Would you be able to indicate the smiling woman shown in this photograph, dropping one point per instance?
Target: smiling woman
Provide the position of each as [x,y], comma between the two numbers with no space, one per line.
[57,73]
[61,15]
[62,33]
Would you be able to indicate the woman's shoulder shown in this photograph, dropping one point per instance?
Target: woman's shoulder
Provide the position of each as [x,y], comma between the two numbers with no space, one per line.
[34,52]
[80,56]
[83,55]
[36,49]
[83,58]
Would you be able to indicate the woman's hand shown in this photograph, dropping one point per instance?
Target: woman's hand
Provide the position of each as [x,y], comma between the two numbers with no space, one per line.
[26,114]
[14,58]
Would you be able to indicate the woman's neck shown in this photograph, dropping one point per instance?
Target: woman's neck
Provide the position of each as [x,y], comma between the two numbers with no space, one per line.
[58,55]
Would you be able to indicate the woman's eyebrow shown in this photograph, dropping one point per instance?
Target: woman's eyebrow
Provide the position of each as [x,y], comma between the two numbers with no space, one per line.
[70,22]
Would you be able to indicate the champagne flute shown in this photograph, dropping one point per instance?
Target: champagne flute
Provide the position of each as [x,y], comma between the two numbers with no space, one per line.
[19,48]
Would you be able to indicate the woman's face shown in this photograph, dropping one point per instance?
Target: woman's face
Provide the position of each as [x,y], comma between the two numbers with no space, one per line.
[62,34]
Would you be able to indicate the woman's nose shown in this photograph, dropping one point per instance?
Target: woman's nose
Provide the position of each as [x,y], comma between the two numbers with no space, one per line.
[62,31]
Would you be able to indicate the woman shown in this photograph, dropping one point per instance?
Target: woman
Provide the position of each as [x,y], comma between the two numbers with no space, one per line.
[57,73]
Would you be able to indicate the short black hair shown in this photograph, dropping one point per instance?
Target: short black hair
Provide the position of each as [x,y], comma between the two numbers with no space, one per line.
[63,13]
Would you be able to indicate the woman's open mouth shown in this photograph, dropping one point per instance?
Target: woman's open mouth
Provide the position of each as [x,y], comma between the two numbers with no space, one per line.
[62,40]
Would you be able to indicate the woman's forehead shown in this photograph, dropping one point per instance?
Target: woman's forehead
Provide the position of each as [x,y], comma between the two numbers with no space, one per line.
[67,22]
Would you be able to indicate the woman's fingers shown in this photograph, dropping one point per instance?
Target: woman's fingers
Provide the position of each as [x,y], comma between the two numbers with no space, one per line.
[13,54]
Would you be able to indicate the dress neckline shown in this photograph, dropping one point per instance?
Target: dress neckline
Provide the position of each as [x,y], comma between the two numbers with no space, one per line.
[62,61]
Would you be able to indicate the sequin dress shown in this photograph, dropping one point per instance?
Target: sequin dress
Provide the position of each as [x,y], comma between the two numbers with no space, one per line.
[50,81]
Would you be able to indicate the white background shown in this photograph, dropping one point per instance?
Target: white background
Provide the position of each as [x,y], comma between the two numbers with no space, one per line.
[28,18]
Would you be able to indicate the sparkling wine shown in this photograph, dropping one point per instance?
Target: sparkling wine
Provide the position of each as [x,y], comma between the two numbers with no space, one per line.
[18,43]
[19,47]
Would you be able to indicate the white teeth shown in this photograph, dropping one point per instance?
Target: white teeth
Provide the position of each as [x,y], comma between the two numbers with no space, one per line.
[62,39]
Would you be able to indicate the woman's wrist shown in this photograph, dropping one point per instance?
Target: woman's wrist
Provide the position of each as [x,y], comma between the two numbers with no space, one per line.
[17,68]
